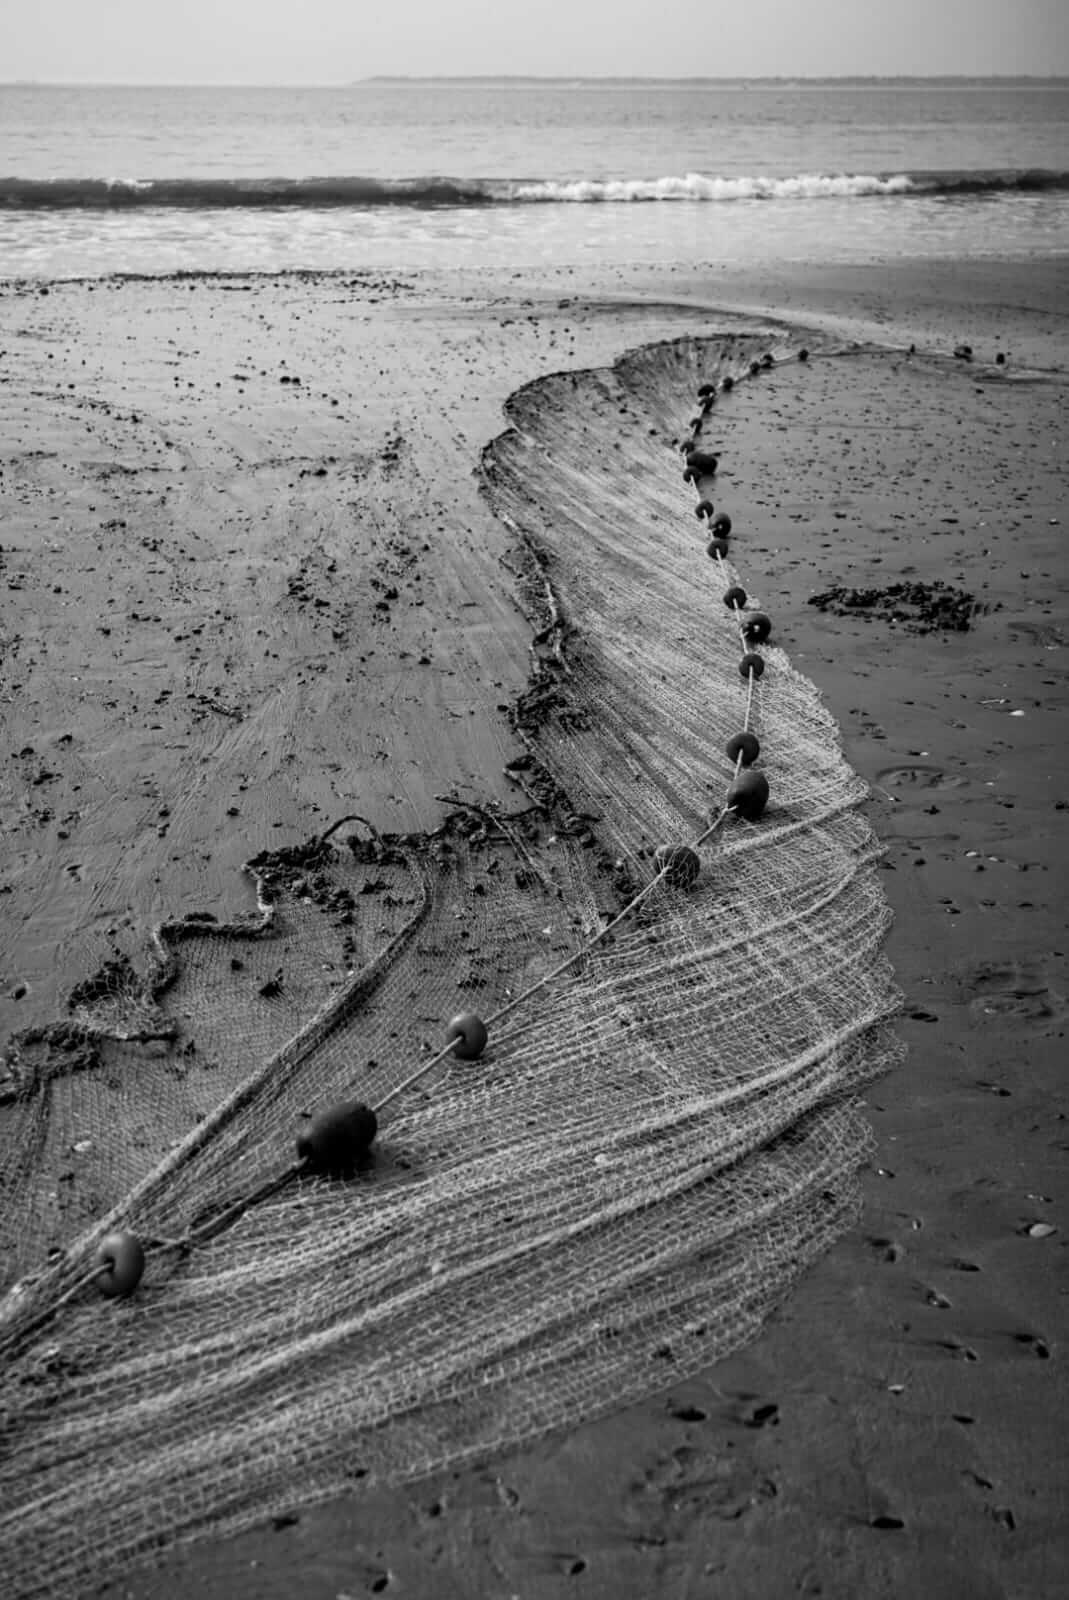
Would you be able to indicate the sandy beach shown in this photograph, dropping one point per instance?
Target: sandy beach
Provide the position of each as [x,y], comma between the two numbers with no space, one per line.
[252,583]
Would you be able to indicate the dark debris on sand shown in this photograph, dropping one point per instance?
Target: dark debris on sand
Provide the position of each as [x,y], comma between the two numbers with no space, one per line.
[918,607]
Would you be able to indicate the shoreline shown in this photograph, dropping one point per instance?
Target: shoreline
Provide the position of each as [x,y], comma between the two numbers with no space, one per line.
[819,1363]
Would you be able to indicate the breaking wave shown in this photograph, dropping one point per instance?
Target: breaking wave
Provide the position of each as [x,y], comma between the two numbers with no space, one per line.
[120,194]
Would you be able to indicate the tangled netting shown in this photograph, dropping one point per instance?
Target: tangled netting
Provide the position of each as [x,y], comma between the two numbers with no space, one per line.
[651,1150]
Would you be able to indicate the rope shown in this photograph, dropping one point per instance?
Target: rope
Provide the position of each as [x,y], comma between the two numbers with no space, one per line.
[639,899]
[535,988]
[45,1316]
[750,679]
[211,1227]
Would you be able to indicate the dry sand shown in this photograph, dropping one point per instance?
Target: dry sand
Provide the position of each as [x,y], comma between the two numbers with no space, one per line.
[236,607]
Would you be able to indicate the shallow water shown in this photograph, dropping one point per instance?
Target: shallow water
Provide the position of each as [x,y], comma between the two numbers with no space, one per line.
[522,174]
[81,243]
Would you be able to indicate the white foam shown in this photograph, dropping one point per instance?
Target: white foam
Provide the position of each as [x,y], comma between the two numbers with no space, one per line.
[696,186]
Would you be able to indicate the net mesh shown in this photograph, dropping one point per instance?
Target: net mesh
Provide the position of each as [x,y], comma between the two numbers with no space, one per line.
[615,1195]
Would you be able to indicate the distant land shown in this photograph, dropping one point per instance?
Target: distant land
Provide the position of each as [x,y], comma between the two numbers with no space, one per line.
[842,77]
[934,80]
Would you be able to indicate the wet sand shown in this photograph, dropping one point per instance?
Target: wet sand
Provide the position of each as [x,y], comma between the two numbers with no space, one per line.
[238,606]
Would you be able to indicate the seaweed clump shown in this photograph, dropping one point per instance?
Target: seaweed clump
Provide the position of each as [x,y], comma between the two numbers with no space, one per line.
[918,607]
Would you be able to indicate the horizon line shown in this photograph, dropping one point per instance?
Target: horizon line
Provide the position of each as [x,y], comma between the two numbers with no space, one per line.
[548,77]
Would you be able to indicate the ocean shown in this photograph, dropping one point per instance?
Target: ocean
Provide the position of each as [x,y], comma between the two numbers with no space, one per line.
[522,173]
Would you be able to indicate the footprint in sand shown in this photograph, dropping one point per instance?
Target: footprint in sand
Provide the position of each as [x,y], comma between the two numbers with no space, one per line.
[1040,633]
[692,1483]
[1014,989]
[917,776]
[887,1249]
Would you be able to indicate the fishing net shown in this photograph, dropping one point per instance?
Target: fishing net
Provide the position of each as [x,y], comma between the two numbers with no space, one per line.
[656,1143]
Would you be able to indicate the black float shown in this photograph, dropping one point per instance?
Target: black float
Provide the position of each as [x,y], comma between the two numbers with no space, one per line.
[744,747]
[337,1139]
[748,795]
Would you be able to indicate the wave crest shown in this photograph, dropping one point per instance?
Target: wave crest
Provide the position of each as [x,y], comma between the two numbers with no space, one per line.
[694,186]
[362,193]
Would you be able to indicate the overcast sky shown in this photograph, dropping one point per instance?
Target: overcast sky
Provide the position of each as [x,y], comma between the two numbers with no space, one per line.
[335,41]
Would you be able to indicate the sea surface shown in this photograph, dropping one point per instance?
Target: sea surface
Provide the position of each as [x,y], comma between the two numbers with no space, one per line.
[518,173]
